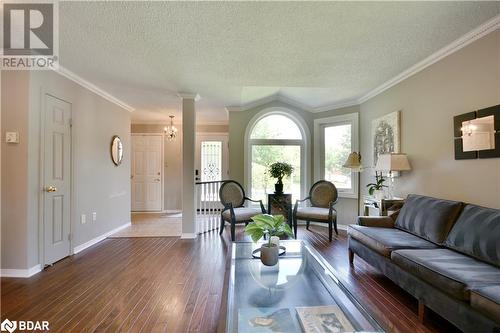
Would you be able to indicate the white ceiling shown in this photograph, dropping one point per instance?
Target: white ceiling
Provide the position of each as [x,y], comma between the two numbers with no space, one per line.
[234,53]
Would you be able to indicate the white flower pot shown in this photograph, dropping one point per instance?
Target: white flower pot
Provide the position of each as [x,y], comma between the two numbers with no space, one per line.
[379,194]
[269,254]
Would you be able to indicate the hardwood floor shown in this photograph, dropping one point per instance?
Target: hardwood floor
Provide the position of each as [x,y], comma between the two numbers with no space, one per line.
[173,285]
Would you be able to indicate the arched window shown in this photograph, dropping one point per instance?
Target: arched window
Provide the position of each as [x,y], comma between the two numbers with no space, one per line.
[275,136]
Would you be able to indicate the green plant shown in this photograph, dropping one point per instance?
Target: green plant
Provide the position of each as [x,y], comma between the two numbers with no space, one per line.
[378,185]
[279,170]
[265,224]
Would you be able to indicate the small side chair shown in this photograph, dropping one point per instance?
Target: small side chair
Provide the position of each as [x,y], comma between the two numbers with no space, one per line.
[323,196]
[232,196]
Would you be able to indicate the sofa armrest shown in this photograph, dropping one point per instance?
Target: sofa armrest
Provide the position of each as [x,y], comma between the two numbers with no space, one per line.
[376,221]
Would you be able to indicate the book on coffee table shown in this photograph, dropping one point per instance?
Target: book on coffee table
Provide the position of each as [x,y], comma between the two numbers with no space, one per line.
[323,319]
[263,320]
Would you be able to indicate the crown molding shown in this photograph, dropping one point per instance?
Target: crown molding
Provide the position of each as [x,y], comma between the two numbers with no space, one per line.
[335,106]
[251,105]
[92,87]
[185,95]
[473,35]
[280,98]
[178,123]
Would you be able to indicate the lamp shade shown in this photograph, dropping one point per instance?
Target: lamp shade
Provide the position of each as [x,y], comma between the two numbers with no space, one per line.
[393,162]
[353,161]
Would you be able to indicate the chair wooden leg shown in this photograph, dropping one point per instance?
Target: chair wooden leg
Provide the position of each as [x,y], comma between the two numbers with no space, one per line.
[307,225]
[351,257]
[335,226]
[421,311]
[221,227]
[233,230]
[295,226]
[330,230]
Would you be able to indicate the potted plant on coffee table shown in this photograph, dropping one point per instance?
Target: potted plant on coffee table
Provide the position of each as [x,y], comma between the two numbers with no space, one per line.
[269,225]
[279,170]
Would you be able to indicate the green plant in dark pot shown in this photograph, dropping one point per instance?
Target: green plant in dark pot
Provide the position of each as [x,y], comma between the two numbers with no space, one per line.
[279,170]
[269,225]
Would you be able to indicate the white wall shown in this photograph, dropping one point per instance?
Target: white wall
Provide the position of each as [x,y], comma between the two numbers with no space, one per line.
[98,186]
[462,82]
[14,114]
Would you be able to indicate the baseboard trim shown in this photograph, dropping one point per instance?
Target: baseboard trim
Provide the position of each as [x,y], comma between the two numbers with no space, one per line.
[21,273]
[97,239]
[188,235]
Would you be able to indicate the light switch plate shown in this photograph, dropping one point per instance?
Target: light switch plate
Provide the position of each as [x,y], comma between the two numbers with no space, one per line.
[12,137]
[83,219]
[94,216]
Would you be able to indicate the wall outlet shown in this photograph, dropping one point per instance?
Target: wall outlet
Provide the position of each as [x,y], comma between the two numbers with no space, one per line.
[83,219]
[94,216]
[12,137]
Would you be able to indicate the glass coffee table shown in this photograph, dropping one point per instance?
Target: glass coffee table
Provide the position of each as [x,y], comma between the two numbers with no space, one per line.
[300,294]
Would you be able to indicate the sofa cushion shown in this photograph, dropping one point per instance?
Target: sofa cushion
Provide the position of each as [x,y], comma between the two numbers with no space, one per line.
[386,240]
[428,217]
[242,214]
[313,213]
[477,233]
[447,270]
[487,300]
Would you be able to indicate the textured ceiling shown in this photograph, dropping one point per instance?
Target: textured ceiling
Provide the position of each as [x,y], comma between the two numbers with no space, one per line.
[233,53]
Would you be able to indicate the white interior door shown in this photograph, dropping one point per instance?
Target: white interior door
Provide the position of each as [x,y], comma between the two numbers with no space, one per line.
[147,172]
[211,157]
[56,179]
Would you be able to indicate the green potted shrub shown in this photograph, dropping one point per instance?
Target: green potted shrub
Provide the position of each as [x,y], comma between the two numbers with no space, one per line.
[377,189]
[279,170]
[269,225]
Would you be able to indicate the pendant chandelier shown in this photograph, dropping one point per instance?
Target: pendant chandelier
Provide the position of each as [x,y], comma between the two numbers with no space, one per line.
[171,130]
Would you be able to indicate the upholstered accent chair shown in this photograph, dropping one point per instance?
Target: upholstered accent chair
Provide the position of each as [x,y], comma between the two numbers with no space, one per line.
[232,196]
[323,196]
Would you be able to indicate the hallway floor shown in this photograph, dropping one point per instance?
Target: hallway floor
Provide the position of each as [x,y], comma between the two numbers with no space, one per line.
[152,225]
[166,284]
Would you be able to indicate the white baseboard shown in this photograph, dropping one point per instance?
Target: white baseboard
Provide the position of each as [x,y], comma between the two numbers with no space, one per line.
[97,239]
[188,236]
[21,273]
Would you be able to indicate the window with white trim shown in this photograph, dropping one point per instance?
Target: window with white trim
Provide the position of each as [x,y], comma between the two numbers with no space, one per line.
[275,138]
[335,138]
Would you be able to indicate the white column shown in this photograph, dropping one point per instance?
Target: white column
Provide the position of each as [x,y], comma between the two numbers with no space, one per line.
[188,167]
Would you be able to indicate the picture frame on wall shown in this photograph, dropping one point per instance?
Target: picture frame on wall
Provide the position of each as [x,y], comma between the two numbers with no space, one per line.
[477,134]
[386,135]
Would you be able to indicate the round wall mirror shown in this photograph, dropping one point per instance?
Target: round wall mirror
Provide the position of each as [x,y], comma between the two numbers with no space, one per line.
[116,150]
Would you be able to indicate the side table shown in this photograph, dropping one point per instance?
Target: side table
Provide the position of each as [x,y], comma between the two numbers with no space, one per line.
[384,206]
[280,204]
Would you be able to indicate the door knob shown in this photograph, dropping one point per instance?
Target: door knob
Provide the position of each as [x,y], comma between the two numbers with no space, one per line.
[50,189]
[157,179]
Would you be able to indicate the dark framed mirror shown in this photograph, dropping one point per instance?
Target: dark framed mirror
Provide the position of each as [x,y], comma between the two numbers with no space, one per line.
[116,150]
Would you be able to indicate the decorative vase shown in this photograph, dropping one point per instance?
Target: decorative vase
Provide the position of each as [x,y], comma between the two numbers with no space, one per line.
[378,194]
[269,254]
[278,188]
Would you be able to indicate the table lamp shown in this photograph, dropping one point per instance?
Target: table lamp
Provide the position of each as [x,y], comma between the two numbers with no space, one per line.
[390,163]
